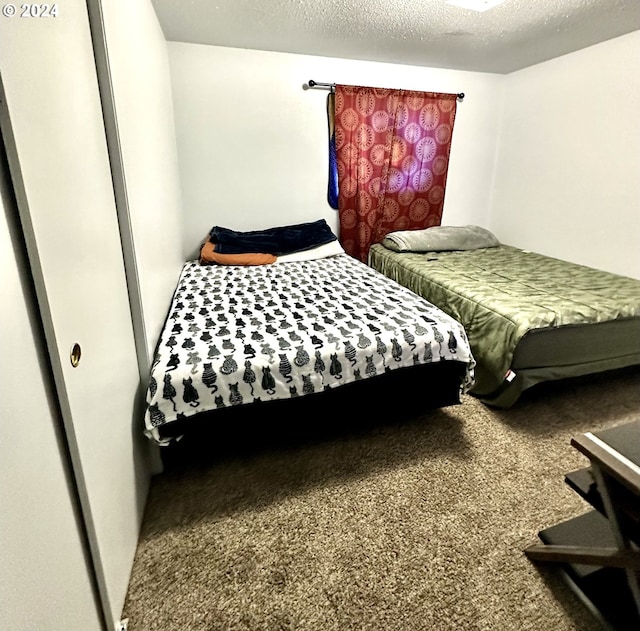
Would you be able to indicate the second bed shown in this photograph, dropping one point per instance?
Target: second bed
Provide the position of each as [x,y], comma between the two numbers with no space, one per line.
[529,317]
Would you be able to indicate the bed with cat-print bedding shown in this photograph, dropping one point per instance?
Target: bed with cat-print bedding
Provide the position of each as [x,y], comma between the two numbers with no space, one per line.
[238,335]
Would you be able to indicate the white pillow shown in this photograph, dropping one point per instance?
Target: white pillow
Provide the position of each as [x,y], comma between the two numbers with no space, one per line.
[322,251]
[440,238]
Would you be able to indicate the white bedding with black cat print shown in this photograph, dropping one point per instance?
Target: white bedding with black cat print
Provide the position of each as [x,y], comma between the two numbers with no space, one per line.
[236,335]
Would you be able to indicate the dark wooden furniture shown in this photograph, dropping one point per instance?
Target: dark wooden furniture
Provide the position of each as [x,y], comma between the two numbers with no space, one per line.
[599,551]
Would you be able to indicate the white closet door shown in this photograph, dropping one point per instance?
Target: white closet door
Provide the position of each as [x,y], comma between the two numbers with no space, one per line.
[53,130]
[40,537]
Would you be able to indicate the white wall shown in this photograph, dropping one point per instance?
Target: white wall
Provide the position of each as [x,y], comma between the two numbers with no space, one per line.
[147,183]
[45,581]
[252,144]
[567,180]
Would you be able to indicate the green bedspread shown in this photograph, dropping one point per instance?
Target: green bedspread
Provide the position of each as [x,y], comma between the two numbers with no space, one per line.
[501,293]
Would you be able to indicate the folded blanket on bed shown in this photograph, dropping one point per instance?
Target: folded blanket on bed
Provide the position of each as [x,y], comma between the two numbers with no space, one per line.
[210,256]
[278,241]
[440,238]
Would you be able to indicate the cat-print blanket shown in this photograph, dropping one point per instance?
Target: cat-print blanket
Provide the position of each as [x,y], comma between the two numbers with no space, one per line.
[236,334]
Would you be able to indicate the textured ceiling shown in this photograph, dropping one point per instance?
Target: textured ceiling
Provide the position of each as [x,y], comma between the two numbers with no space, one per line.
[514,35]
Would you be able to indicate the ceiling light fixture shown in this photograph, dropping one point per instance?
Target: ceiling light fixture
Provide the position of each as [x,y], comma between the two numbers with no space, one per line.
[475,5]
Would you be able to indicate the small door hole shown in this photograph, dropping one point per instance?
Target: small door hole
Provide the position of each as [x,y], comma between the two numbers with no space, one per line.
[76,353]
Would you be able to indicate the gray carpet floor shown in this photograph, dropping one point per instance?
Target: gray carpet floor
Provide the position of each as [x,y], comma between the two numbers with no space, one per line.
[415,520]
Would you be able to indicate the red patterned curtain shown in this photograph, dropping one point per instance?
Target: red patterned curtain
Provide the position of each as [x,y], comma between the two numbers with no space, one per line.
[392,148]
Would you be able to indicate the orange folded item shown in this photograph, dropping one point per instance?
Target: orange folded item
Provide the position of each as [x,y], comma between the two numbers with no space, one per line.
[208,256]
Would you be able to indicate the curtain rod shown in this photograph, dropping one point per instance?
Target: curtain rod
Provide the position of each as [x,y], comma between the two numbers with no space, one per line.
[332,87]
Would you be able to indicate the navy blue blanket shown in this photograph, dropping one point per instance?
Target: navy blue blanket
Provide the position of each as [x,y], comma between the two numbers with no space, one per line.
[278,241]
